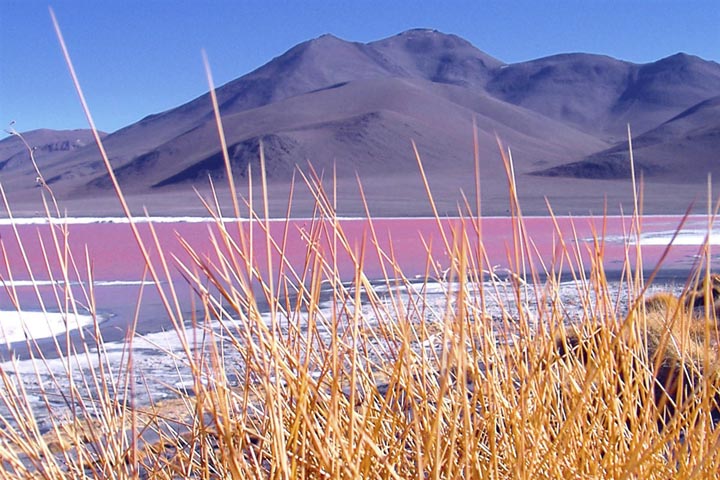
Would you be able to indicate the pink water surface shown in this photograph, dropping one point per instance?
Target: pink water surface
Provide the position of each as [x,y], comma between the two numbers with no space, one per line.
[108,252]
[113,253]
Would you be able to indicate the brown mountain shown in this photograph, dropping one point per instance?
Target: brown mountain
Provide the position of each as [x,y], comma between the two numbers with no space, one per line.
[355,107]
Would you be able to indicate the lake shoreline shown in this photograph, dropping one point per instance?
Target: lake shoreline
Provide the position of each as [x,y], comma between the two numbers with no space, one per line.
[157,356]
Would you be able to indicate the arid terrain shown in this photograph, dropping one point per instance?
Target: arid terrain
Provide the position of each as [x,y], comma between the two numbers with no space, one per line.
[351,108]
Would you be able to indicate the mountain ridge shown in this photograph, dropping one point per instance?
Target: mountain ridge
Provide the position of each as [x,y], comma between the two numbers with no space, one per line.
[354,108]
[695,127]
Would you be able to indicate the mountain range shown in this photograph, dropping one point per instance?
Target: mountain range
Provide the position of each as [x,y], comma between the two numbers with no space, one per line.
[350,109]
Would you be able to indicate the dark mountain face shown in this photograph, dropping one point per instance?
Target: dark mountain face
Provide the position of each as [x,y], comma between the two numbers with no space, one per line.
[354,108]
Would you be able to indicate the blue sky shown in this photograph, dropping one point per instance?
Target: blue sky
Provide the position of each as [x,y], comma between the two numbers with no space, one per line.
[135,58]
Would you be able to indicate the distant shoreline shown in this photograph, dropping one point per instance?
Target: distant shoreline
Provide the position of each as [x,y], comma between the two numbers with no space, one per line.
[75,220]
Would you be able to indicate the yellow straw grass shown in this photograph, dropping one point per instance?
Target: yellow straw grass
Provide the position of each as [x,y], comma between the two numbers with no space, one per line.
[353,378]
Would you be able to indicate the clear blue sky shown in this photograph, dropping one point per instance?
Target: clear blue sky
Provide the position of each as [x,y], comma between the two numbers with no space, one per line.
[135,58]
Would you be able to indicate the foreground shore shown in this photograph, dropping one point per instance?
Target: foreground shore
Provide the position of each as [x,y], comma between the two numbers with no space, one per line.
[160,368]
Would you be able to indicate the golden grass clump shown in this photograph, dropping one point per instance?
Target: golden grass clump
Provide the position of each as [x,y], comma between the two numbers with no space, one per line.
[353,378]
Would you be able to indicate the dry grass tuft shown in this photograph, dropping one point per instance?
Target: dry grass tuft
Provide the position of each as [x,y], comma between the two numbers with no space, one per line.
[361,379]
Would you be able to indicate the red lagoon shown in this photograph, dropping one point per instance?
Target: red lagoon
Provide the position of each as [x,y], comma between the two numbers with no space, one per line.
[418,246]
[106,251]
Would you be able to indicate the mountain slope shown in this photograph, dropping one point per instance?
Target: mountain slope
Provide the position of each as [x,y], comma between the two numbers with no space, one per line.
[48,146]
[602,95]
[683,149]
[363,126]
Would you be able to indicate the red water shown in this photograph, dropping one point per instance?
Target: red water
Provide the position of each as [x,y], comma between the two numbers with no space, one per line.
[110,252]
[113,253]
